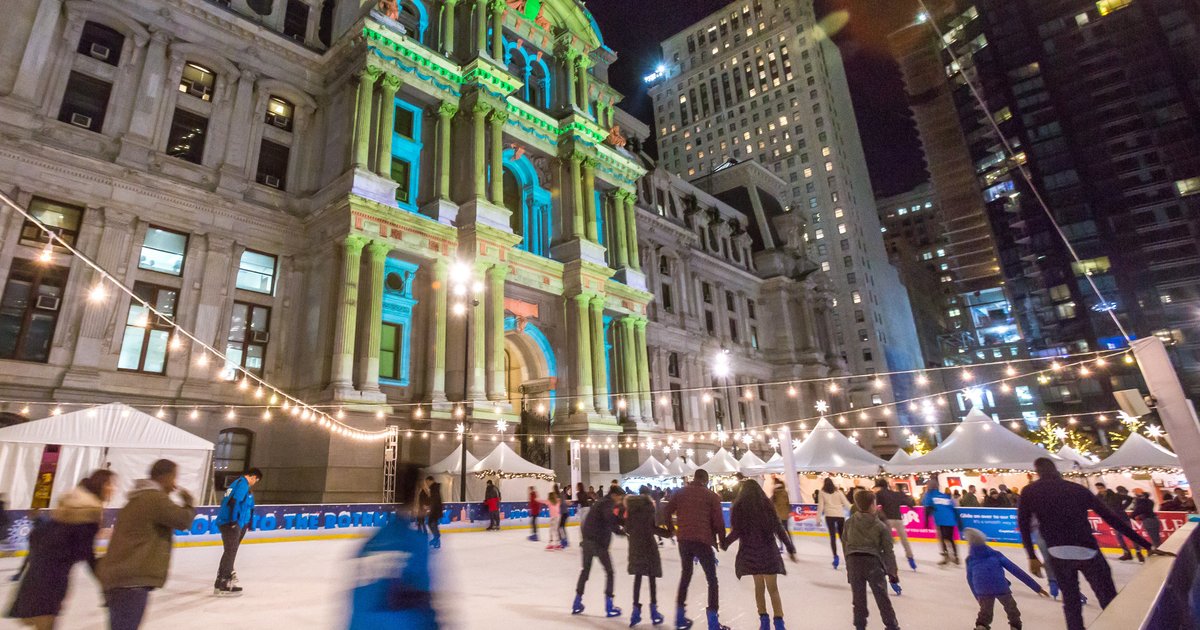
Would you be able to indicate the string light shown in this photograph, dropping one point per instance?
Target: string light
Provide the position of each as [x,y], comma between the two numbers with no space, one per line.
[231,414]
[266,415]
[1128,359]
[56,411]
[341,413]
[97,294]
[1009,370]
[664,401]
[418,412]
[25,410]
[47,253]
[258,393]
[162,413]
[922,379]
[195,415]
[967,376]
[791,391]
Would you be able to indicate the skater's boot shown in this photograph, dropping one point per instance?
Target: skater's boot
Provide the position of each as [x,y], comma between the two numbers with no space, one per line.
[533,537]
[1126,556]
[1140,557]
[714,623]
[681,622]
[577,607]
[635,617]
[1054,589]
[944,561]
[764,621]
[896,589]
[609,609]
[779,624]
[656,617]
[912,563]
[836,561]
[565,544]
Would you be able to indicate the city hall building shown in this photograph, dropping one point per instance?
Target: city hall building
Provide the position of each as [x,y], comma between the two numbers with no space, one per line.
[411,215]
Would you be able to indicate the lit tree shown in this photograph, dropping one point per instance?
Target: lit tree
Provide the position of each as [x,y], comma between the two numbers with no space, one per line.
[1054,436]
[917,445]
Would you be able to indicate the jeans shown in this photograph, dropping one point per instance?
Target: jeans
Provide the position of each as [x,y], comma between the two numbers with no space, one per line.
[946,540]
[434,523]
[864,570]
[834,524]
[902,533]
[987,605]
[231,538]
[1153,528]
[1095,570]
[562,524]
[592,550]
[495,522]
[423,516]
[126,606]
[689,552]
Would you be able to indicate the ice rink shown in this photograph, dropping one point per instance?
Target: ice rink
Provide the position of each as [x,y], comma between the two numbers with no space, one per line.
[501,580]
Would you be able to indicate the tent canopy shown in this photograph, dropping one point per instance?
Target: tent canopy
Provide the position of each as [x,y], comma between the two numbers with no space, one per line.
[503,461]
[721,463]
[978,442]
[901,457]
[650,469]
[826,450]
[749,461]
[775,459]
[1138,452]
[679,467]
[452,464]
[1073,459]
[113,436]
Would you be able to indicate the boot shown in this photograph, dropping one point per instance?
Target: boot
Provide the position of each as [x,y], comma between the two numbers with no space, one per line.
[577,607]
[714,623]
[656,617]
[836,561]
[912,563]
[1140,557]
[681,622]
[609,609]
[225,589]
[1126,556]
[944,561]
[764,621]
[779,624]
[635,617]
[1054,589]
[896,589]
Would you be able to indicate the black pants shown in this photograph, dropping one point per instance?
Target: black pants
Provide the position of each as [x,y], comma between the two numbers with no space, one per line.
[987,605]
[637,590]
[834,524]
[231,540]
[495,514]
[946,540]
[864,570]
[1153,528]
[434,522]
[590,551]
[1095,570]
[126,607]
[689,552]
[533,523]
[562,525]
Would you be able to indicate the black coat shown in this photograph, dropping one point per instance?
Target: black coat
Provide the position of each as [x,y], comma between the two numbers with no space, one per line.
[601,523]
[54,547]
[435,500]
[641,529]
[759,552]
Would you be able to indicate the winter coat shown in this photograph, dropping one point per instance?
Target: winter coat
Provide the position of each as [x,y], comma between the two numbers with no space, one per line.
[1143,509]
[866,533]
[969,499]
[555,510]
[601,523]
[832,504]
[699,515]
[642,532]
[985,573]
[783,506]
[1114,502]
[54,548]
[237,506]
[491,498]
[394,588]
[139,553]
[941,508]
[535,506]
[890,502]
[435,500]
[758,553]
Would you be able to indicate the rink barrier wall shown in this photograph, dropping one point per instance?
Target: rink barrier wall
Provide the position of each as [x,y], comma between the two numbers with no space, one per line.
[281,523]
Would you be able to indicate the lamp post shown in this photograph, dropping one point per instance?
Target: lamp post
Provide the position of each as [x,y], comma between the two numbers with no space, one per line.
[466,289]
[721,370]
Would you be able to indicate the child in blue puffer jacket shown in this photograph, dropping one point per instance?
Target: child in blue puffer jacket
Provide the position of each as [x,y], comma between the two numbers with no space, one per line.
[985,576]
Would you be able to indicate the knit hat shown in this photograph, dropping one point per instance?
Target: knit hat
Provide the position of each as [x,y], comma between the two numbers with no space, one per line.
[974,537]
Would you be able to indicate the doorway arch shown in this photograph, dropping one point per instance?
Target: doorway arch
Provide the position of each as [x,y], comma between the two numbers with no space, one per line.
[530,372]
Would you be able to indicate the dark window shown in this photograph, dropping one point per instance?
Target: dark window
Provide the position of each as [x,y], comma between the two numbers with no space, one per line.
[730,301]
[667,303]
[280,113]
[706,291]
[295,20]
[405,122]
[29,310]
[733,330]
[85,102]
[197,81]
[101,42]
[866,354]
[677,407]
[246,346]
[325,28]
[231,455]
[147,337]
[186,140]
[63,219]
[401,170]
[272,164]
[391,336]
[673,364]
[708,323]
[750,309]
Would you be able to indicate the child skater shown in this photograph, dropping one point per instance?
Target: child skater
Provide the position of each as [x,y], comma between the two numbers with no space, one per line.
[869,558]
[555,504]
[985,576]
[756,524]
[642,530]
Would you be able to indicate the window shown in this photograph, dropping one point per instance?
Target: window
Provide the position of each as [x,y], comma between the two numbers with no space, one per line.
[706,291]
[862,335]
[145,345]
[750,309]
[197,81]
[280,113]
[876,399]
[1060,292]
[61,218]
[402,175]
[664,266]
[824,265]
[1189,186]
[866,355]
[391,350]
[85,102]
[709,326]
[256,272]
[295,20]
[163,251]
[733,330]
[668,304]
[1091,266]
[246,346]
[231,455]
[730,301]
[29,310]
[677,406]
[673,364]
[859,316]
[1065,310]
[405,122]
[818,234]
[101,42]
[186,140]
[272,164]
[856,297]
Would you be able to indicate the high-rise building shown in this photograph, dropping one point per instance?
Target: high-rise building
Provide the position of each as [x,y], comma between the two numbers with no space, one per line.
[761,81]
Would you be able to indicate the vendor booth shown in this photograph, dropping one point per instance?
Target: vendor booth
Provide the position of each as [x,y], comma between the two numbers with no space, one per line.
[113,436]
[514,474]
[1138,463]
[721,463]
[448,473]
[651,471]
[978,443]
[750,461]
[680,467]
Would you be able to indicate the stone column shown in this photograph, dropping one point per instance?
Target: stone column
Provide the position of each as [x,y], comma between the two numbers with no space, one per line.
[582,63]
[589,199]
[342,374]
[629,379]
[481,14]
[115,229]
[237,150]
[599,359]
[570,56]
[620,257]
[631,241]
[496,120]
[445,114]
[438,320]
[387,124]
[496,381]
[39,50]
[498,7]
[643,369]
[583,352]
[478,384]
[362,119]
[143,120]
[576,159]
[478,111]
[448,33]
[377,253]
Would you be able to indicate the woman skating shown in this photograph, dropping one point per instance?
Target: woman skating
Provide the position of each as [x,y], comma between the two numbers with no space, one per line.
[755,523]
[643,531]
[832,504]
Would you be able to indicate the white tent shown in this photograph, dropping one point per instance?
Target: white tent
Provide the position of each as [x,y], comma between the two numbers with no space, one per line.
[775,459]
[750,461]
[679,467]
[721,463]
[448,472]
[113,436]
[515,474]
[978,442]
[1072,459]
[900,457]
[826,450]
[650,469]
[1138,452]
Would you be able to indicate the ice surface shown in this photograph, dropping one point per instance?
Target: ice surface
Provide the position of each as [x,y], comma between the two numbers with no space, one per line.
[501,580]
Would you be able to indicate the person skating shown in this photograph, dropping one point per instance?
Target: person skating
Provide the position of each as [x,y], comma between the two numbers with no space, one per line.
[602,522]
[699,528]
[555,506]
[68,537]
[870,560]
[491,499]
[642,531]
[1143,512]
[782,504]
[832,504]
[535,509]
[422,509]
[755,524]
[233,519]
[1118,505]
[139,553]
[940,508]
[890,502]
[1061,509]
[433,517]
[985,576]
[563,515]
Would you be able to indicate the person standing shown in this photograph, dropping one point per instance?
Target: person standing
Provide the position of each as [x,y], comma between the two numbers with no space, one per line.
[535,509]
[782,504]
[832,504]
[422,509]
[969,499]
[941,509]
[869,560]
[555,506]
[890,502]
[1143,511]
[491,499]
[564,513]
[1117,505]
[139,553]
[642,531]
[985,576]
[700,527]
[434,516]
[1185,502]
[597,532]
[1061,509]
[752,523]
[69,536]
[233,519]
[583,502]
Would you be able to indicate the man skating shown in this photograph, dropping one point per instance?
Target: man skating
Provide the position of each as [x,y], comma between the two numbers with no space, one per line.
[701,528]
[940,507]
[597,531]
[233,519]
[890,502]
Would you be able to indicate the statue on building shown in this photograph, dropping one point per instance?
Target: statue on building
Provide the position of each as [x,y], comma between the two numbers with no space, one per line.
[390,8]
[615,137]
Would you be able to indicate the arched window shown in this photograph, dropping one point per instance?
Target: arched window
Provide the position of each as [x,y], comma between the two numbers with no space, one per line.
[512,201]
[231,455]
[537,85]
[529,203]
[414,18]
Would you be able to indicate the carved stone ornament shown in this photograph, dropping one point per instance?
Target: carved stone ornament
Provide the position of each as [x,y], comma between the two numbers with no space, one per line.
[390,8]
[615,138]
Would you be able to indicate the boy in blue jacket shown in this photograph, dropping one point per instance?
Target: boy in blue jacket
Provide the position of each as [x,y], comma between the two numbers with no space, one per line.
[237,510]
[944,511]
[985,576]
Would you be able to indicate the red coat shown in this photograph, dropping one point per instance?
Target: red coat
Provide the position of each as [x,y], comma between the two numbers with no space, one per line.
[535,506]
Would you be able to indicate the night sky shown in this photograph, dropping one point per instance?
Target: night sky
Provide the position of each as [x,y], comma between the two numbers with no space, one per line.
[634,28]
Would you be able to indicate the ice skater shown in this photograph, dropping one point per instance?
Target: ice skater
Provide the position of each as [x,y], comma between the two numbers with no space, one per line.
[564,513]
[782,504]
[890,502]
[941,508]
[433,518]
[602,522]
[757,526]
[535,509]
[233,519]
[643,532]
[985,576]
[700,529]
[869,558]
[491,499]
[554,504]
[832,504]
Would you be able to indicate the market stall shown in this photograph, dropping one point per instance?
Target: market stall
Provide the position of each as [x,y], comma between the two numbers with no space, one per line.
[1138,463]
[721,463]
[749,461]
[513,473]
[448,473]
[651,471]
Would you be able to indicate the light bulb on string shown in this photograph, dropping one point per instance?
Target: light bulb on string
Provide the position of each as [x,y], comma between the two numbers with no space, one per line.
[274,399]
[379,415]
[1009,370]
[664,401]
[295,411]
[1084,371]
[287,405]
[25,410]
[231,414]
[877,383]
[47,253]
[161,413]
[922,379]
[967,376]
[97,294]
[418,412]
[258,393]
[620,403]
[841,419]
[1005,387]
[1101,362]
[1128,359]
[706,397]
[341,413]
[244,384]
[791,391]
[266,415]
[195,414]
[833,387]
[1055,365]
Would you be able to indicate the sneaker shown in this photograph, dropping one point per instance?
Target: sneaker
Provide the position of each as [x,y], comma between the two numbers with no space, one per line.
[1126,556]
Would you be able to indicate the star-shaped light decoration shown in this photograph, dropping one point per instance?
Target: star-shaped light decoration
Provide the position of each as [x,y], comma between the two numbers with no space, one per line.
[914,439]
[1154,431]
[822,407]
[975,395]
[1060,433]
[691,452]
[460,428]
[721,436]
[501,426]
[747,439]
[774,442]
[796,443]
